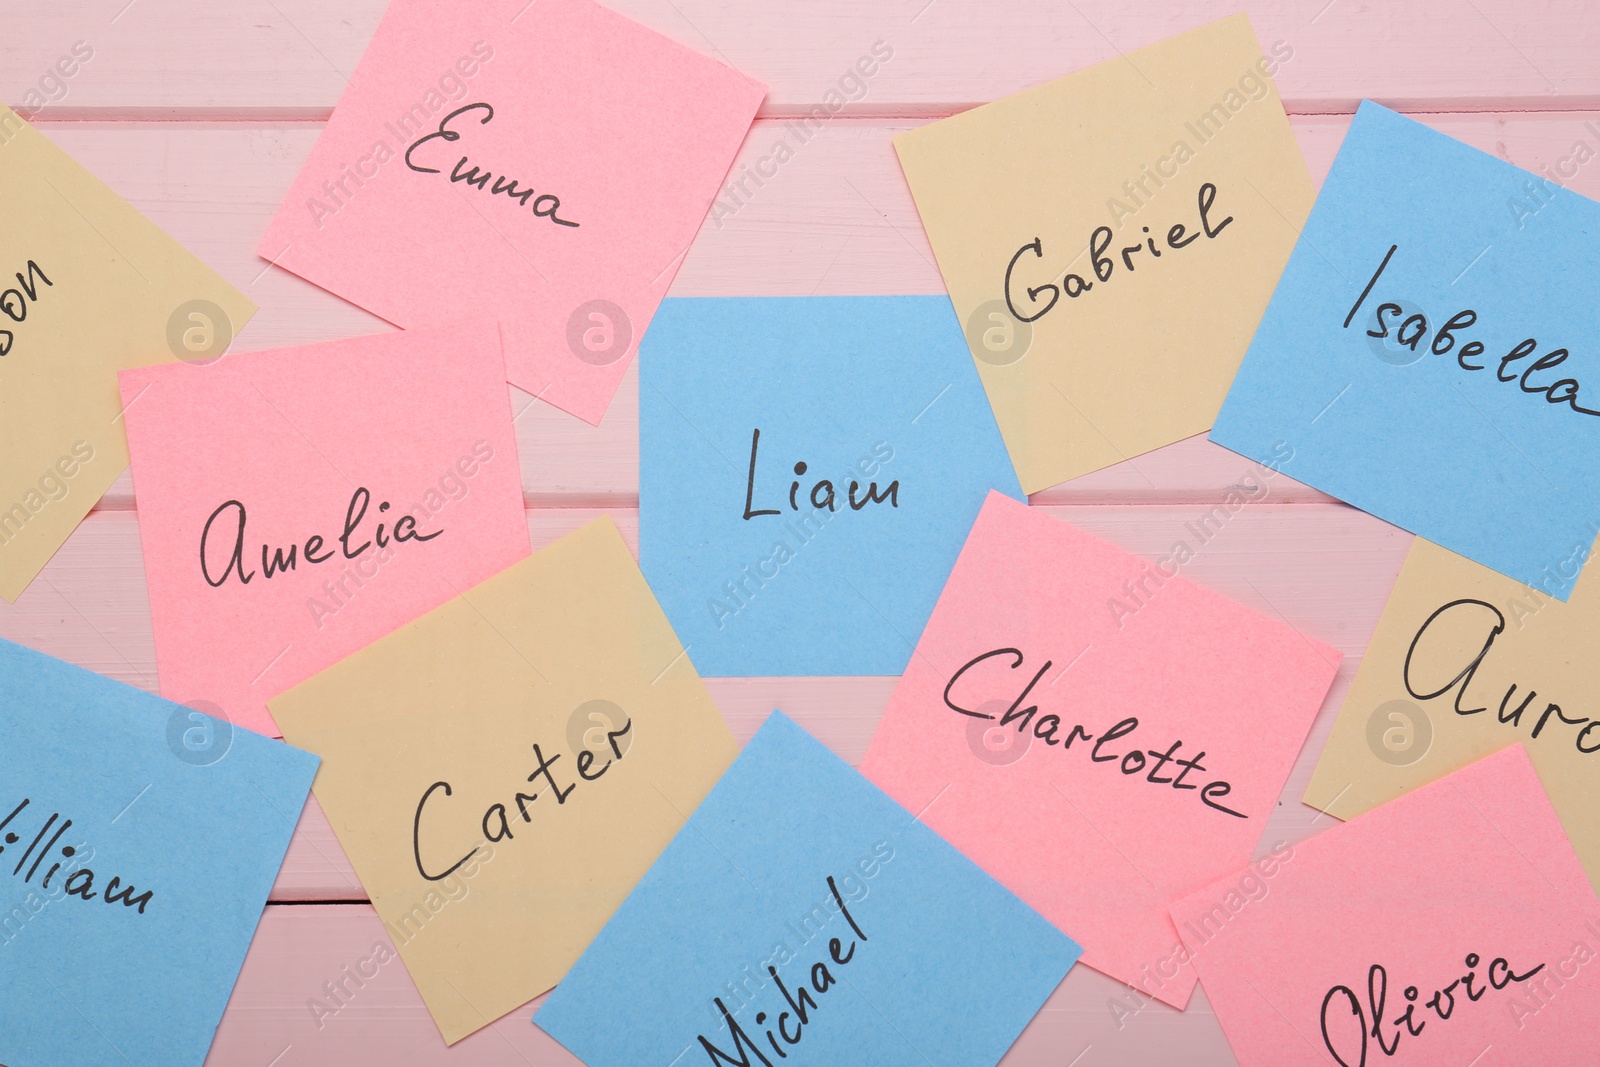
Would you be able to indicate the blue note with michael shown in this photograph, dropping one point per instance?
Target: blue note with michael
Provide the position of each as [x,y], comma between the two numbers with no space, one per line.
[803,916]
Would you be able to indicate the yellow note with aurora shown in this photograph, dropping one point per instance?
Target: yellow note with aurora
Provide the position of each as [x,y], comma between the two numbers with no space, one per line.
[1464,662]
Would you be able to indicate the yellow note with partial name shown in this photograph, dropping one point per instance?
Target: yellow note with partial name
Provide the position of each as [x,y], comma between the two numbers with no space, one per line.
[1464,662]
[88,287]
[1111,239]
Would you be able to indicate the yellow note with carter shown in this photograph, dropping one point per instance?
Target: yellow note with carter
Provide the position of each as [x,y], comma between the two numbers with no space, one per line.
[1110,241]
[88,287]
[504,770]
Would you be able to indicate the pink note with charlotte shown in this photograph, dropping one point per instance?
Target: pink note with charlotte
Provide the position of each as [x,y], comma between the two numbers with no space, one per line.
[546,164]
[295,505]
[1100,761]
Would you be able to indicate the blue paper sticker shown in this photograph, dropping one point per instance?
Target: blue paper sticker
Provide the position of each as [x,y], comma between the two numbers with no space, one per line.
[138,842]
[808,471]
[802,914]
[1432,353]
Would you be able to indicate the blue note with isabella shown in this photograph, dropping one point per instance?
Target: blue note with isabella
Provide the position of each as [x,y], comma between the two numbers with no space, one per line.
[1432,352]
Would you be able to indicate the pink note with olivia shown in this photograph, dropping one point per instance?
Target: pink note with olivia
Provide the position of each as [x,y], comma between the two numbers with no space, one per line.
[547,164]
[295,505]
[1100,760]
[1452,925]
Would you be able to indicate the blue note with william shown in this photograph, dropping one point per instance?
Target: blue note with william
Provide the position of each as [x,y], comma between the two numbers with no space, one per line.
[138,842]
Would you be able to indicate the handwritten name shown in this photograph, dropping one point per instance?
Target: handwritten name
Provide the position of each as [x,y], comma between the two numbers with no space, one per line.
[1131,763]
[822,493]
[1105,266]
[1412,330]
[274,560]
[80,880]
[545,205]
[1462,679]
[14,302]
[496,822]
[1349,1047]
[800,1008]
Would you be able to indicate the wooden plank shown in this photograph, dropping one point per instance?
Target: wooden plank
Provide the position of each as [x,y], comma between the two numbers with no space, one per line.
[292,58]
[313,991]
[1324,568]
[837,219]
[288,1009]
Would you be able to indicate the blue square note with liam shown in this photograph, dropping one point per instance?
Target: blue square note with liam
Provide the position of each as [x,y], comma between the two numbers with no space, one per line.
[1432,353]
[808,470]
[802,916]
[138,842]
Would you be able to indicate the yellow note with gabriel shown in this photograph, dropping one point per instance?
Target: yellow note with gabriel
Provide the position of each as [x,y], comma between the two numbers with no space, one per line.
[1111,239]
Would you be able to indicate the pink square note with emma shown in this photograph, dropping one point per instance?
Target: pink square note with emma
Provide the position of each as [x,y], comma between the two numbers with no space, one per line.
[547,164]
[1453,925]
[296,505]
[1099,734]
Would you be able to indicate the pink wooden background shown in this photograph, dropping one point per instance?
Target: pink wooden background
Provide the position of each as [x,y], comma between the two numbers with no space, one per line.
[200,112]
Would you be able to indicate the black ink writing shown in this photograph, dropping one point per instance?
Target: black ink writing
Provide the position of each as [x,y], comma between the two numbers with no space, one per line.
[14,302]
[497,818]
[545,205]
[78,881]
[226,527]
[1410,330]
[822,495]
[1047,728]
[802,1002]
[1104,255]
[1586,740]
[1349,1045]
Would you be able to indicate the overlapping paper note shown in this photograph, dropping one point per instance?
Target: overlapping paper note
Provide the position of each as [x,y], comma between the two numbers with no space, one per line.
[1466,661]
[545,164]
[808,469]
[802,913]
[1450,926]
[1431,354]
[1097,732]
[296,504]
[503,770]
[1110,239]
[88,286]
[138,842]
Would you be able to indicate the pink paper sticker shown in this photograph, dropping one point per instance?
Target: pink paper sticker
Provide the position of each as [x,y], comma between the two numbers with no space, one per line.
[1097,733]
[547,164]
[295,505]
[1450,922]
